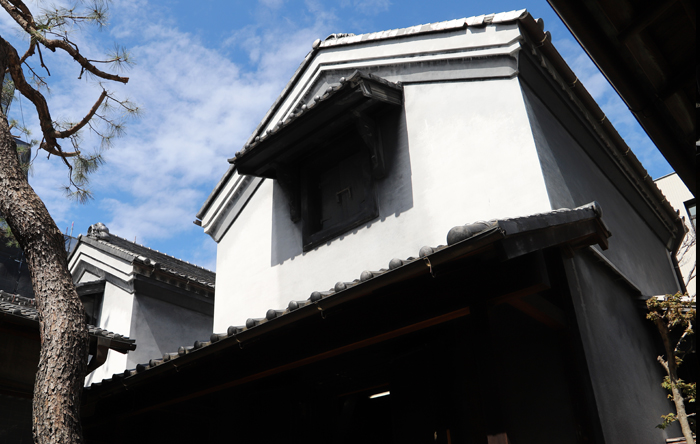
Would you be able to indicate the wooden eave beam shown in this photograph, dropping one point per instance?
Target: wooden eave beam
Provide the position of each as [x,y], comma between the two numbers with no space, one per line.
[643,20]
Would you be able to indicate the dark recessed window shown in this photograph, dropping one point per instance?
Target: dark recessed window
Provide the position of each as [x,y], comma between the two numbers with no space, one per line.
[92,303]
[337,190]
[692,212]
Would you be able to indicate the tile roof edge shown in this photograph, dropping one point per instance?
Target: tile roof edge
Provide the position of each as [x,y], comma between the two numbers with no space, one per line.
[643,183]
[426,28]
[105,245]
[164,254]
[351,81]
[476,236]
[30,304]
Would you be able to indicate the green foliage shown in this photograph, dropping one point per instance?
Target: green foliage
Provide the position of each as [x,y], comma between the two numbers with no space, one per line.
[6,234]
[108,124]
[688,389]
[7,93]
[60,20]
[82,167]
[667,421]
[675,310]
[674,315]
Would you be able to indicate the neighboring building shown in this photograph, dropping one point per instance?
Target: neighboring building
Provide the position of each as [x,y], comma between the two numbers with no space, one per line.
[159,300]
[14,272]
[527,328]
[156,299]
[683,201]
[19,359]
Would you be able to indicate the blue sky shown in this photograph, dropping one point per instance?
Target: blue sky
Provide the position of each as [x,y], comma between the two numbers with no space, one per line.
[204,77]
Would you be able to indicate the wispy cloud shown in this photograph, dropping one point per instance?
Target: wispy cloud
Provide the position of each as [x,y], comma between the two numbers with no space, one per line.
[272,4]
[199,107]
[368,7]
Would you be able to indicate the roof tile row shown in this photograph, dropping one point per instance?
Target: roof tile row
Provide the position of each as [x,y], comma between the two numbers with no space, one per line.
[306,107]
[456,235]
[20,306]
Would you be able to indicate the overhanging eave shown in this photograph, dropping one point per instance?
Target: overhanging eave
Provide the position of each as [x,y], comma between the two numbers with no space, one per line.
[338,109]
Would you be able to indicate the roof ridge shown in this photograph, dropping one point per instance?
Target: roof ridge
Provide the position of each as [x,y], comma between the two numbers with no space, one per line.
[154,250]
[470,21]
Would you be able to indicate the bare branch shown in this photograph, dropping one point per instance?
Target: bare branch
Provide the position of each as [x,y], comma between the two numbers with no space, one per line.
[41,59]
[39,80]
[42,108]
[30,51]
[23,10]
[69,132]
[688,331]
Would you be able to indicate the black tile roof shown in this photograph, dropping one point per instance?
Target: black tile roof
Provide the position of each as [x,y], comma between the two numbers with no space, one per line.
[100,237]
[354,81]
[24,310]
[460,239]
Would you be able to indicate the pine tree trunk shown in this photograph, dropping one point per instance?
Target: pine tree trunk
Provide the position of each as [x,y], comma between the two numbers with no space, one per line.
[64,337]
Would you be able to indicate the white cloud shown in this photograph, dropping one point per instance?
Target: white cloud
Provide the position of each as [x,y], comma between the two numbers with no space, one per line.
[368,7]
[199,107]
[272,4]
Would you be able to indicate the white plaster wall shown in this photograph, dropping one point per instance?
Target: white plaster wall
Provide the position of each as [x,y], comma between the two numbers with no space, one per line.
[117,307]
[88,277]
[464,152]
[677,194]
[372,54]
[160,327]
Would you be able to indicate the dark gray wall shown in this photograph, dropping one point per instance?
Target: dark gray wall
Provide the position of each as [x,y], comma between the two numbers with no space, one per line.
[14,278]
[19,357]
[15,420]
[620,352]
[573,179]
[530,374]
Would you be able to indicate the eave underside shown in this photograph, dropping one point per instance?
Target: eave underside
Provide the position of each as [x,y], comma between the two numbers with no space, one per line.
[647,52]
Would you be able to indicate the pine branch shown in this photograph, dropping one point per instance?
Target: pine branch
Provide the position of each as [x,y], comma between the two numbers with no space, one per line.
[53,44]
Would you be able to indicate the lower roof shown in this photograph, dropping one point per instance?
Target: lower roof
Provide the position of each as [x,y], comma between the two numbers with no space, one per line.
[16,309]
[492,242]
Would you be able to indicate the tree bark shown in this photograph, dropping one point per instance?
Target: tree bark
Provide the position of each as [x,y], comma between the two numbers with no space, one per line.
[64,337]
